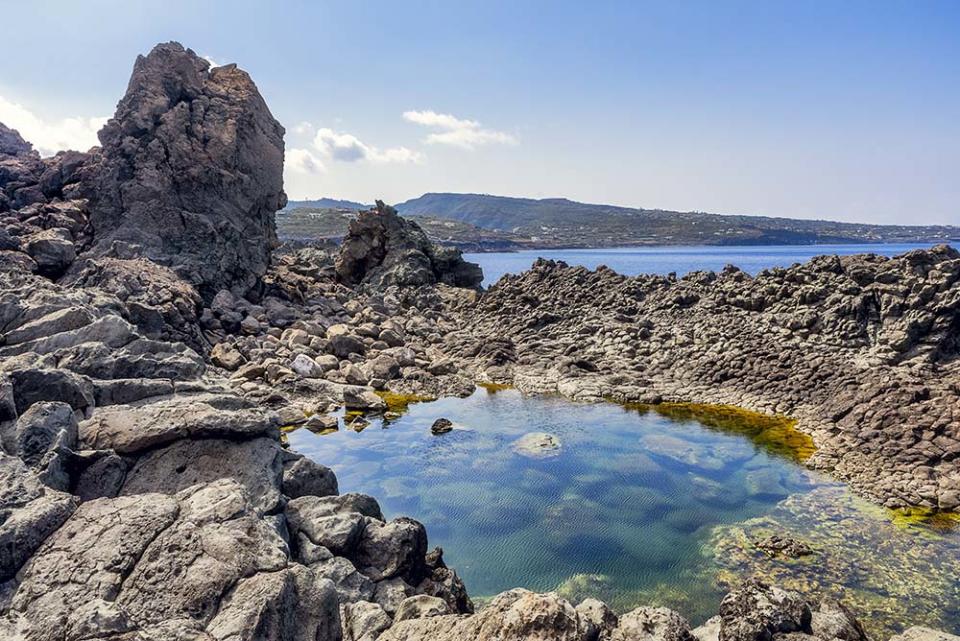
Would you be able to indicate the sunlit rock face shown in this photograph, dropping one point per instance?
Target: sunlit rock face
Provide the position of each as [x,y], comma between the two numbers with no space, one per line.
[190,172]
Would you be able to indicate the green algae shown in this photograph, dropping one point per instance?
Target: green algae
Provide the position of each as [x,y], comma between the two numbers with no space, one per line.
[892,568]
[775,434]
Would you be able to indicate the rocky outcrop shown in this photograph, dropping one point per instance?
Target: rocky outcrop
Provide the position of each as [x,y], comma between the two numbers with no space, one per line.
[753,612]
[145,488]
[43,217]
[862,350]
[383,249]
[190,173]
[142,497]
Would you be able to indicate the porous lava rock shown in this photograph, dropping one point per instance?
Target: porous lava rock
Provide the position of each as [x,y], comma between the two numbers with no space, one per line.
[190,172]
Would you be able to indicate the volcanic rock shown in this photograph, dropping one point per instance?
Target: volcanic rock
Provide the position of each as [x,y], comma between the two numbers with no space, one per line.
[383,249]
[190,172]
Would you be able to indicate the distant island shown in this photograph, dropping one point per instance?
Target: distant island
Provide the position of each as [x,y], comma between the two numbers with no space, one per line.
[478,222]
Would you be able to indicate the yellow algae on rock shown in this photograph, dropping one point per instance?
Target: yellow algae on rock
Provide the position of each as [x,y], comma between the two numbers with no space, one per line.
[775,434]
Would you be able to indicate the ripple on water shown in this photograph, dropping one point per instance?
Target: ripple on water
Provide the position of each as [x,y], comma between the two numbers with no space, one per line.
[640,505]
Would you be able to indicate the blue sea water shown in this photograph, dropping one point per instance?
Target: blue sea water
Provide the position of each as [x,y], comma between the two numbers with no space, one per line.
[631,261]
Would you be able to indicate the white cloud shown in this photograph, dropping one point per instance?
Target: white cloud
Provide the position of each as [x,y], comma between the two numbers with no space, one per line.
[441,121]
[48,138]
[302,161]
[344,147]
[213,63]
[303,128]
[457,132]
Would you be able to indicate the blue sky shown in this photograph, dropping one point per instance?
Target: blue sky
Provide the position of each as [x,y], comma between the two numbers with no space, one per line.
[844,110]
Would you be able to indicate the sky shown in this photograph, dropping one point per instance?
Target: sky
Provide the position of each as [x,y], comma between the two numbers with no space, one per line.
[844,110]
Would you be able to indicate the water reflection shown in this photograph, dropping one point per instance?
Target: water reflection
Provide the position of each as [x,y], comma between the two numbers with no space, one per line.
[636,506]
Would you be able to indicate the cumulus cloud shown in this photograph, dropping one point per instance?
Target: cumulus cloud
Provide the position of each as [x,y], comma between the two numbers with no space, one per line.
[48,138]
[457,132]
[344,147]
[302,161]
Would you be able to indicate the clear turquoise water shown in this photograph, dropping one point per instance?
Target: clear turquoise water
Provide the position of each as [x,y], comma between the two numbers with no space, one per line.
[631,261]
[630,509]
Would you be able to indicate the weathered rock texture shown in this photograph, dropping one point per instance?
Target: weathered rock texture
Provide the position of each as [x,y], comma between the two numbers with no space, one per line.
[862,350]
[145,490]
[190,172]
[383,249]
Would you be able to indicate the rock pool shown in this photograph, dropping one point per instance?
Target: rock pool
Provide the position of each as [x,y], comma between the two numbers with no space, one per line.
[639,507]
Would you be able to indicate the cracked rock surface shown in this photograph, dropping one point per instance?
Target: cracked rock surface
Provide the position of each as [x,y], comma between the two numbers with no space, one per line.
[153,347]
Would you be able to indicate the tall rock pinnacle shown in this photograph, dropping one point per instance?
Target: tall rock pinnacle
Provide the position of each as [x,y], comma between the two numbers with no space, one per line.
[190,173]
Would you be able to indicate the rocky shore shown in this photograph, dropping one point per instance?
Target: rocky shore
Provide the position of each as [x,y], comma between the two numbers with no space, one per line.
[156,343]
[861,350]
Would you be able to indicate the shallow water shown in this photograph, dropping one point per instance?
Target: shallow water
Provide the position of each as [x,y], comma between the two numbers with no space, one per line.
[633,507]
[631,261]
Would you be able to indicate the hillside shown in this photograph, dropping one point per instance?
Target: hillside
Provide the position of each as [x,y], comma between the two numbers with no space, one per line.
[326,203]
[558,222]
[301,222]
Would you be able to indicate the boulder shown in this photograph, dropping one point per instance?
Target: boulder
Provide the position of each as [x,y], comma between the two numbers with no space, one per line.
[441,426]
[45,427]
[40,384]
[364,621]
[421,606]
[29,513]
[356,397]
[394,549]
[598,619]
[517,615]
[833,620]
[255,464]
[756,611]
[166,566]
[652,624]
[12,144]
[303,477]
[290,605]
[350,584]
[306,367]
[226,356]
[52,250]
[337,531]
[132,428]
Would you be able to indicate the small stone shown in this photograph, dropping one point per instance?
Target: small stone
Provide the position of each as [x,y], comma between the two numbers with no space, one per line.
[441,426]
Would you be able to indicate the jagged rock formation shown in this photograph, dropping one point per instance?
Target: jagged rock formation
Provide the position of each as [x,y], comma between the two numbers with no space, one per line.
[145,490]
[142,496]
[863,350]
[44,221]
[383,249]
[190,172]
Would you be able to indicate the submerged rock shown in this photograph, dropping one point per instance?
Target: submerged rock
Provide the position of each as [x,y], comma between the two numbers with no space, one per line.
[537,445]
[776,545]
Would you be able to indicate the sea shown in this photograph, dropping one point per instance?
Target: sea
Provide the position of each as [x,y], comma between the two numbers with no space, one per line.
[681,260]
